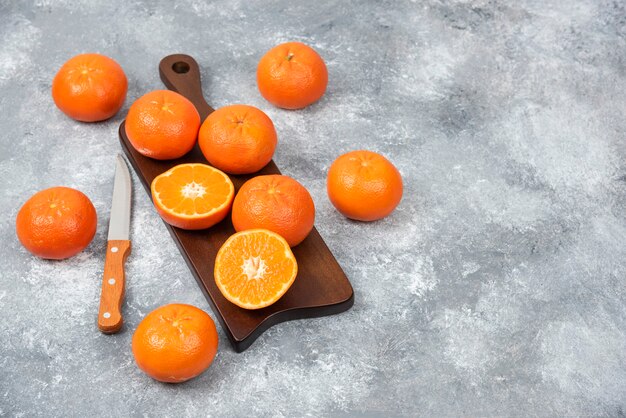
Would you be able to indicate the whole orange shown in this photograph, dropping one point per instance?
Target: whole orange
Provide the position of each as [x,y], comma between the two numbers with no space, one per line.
[90,87]
[292,75]
[364,185]
[238,139]
[175,343]
[275,202]
[162,125]
[56,223]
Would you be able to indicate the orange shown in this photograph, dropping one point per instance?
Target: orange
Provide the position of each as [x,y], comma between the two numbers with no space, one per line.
[192,196]
[238,139]
[175,343]
[255,268]
[292,76]
[162,125]
[364,185]
[56,223]
[90,87]
[275,202]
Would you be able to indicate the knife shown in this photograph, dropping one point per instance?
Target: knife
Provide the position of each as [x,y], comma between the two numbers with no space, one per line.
[118,247]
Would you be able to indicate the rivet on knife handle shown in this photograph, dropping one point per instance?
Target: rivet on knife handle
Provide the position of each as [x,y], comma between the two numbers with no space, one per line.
[113,283]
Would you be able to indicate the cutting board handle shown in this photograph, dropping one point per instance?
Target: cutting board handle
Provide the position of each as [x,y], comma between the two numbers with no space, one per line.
[181,73]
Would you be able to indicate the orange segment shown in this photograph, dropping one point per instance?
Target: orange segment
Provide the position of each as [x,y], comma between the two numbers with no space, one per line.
[255,268]
[192,196]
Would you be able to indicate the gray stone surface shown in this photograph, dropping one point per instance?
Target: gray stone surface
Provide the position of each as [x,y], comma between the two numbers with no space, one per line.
[496,288]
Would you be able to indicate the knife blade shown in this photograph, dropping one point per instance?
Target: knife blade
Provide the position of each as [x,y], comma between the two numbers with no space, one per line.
[110,318]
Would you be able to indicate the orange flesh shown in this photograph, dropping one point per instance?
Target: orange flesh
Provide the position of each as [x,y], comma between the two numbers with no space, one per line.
[254,268]
[192,190]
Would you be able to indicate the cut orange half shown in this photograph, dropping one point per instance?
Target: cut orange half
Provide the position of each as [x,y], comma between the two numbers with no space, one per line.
[255,268]
[192,196]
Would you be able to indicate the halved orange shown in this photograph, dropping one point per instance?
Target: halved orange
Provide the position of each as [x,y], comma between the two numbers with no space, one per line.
[255,268]
[192,196]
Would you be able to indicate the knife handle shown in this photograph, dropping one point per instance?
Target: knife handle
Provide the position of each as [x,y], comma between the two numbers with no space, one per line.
[113,284]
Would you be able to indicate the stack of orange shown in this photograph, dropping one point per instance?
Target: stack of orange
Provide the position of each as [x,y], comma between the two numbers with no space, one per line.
[255,267]
[241,139]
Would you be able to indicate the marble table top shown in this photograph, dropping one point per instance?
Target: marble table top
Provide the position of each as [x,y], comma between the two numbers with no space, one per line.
[497,288]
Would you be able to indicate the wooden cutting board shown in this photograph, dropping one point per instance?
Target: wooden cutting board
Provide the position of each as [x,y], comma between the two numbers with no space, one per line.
[321,287]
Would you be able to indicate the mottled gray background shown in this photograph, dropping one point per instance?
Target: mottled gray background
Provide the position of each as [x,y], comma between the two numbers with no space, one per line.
[496,288]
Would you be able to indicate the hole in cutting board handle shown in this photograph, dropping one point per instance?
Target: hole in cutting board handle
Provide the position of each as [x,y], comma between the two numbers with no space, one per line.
[180,67]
